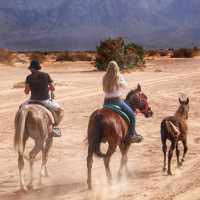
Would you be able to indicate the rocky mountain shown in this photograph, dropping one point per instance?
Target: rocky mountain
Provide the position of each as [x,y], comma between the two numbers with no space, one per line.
[78,24]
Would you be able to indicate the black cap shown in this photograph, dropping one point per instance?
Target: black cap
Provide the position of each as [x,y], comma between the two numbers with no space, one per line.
[35,65]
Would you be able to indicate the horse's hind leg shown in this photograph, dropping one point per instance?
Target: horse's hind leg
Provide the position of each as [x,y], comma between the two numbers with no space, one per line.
[164,148]
[124,149]
[36,149]
[89,166]
[45,151]
[21,167]
[111,150]
[21,174]
[178,155]
[185,150]
[170,154]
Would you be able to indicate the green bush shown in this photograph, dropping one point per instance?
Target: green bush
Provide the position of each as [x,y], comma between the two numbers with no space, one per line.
[7,57]
[40,56]
[182,53]
[75,56]
[64,56]
[126,54]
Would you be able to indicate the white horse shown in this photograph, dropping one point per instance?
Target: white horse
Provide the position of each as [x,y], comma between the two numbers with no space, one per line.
[36,122]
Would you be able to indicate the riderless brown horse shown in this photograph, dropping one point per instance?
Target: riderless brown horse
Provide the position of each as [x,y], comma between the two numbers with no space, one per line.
[106,125]
[174,128]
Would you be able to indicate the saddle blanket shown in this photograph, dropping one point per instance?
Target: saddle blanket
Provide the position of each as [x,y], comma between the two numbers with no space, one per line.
[118,110]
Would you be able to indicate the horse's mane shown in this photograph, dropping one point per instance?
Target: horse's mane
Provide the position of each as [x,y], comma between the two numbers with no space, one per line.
[181,111]
[129,94]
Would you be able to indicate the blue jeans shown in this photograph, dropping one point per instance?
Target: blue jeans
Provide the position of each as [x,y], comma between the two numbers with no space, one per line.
[125,108]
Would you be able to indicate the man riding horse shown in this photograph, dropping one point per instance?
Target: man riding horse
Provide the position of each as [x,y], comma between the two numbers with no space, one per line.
[39,84]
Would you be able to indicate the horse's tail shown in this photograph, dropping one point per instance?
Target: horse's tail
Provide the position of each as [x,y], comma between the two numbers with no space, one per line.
[95,134]
[20,121]
[171,128]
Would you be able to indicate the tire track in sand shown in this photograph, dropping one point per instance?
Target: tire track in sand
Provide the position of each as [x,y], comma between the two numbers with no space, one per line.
[87,92]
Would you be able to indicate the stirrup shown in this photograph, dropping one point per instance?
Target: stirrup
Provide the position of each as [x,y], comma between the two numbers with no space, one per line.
[56,132]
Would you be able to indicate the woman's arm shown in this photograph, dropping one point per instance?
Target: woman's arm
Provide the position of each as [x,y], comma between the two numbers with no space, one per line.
[122,82]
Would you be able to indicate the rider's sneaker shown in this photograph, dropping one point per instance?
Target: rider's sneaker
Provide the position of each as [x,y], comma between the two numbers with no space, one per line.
[56,132]
[135,138]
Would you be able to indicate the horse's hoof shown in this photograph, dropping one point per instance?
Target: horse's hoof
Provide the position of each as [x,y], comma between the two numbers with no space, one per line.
[110,181]
[169,173]
[119,176]
[129,174]
[179,164]
[23,189]
[46,175]
[164,169]
[89,187]
[30,187]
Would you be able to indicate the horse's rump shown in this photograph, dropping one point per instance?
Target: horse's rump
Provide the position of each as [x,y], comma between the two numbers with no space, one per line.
[105,126]
[171,127]
[30,118]
[51,114]
[109,123]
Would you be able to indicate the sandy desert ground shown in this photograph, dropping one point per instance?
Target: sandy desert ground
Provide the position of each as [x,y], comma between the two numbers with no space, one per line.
[79,92]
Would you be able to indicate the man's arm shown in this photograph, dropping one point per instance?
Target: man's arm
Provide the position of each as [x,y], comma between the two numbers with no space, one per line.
[26,89]
[51,86]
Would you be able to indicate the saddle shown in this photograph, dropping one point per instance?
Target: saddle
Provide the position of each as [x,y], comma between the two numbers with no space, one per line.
[50,111]
[117,110]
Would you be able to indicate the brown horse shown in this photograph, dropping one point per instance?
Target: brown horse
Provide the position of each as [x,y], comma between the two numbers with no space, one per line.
[174,128]
[36,122]
[106,125]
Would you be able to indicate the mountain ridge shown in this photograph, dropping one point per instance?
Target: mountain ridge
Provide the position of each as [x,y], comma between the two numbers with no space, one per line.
[79,25]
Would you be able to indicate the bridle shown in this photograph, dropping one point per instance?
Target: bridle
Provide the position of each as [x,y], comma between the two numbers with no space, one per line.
[141,100]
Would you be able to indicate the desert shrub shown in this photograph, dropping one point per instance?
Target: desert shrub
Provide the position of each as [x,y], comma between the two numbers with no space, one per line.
[124,53]
[7,57]
[159,52]
[195,51]
[41,57]
[76,56]
[84,56]
[164,53]
[64,56]
[182,53]
[134,55]
[152,53]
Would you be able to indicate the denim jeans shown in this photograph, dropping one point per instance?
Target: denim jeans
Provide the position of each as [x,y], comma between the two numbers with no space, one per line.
[125,108]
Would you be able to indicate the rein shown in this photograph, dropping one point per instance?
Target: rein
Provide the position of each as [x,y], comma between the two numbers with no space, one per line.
[143,99]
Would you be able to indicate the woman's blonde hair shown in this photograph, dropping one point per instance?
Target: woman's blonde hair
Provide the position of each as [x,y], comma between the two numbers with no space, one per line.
[111,78]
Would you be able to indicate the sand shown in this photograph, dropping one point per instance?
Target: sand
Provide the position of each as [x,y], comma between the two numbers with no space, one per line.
[79,91]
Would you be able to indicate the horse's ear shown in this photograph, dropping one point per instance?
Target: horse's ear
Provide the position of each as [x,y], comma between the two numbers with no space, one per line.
[139,88]
[185,102]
